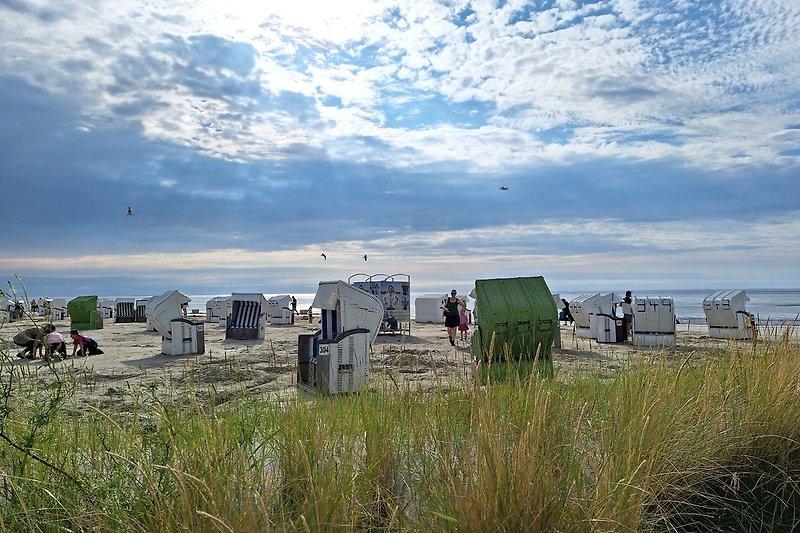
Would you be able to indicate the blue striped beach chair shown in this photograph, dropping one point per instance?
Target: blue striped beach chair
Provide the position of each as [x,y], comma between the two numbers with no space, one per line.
[247,320]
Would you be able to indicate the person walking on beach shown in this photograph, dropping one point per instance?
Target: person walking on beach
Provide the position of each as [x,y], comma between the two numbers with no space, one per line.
[451,315]
[31,340]
[627,313]
[83,345]
[34,306]
[463,320]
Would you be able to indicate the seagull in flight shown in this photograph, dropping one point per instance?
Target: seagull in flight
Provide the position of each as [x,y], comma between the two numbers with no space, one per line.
[324,256]
[130,212]
[365,257]
[503,188]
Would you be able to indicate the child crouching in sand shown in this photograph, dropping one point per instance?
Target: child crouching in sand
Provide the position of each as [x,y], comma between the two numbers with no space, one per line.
[83,345]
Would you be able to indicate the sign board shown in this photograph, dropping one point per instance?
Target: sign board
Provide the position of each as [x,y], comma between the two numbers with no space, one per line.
[395,296]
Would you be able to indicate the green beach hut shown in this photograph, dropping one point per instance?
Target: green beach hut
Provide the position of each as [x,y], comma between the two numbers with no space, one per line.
[517,318]
[83,313]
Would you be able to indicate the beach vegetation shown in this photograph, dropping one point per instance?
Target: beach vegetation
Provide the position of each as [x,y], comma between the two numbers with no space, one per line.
[698,444]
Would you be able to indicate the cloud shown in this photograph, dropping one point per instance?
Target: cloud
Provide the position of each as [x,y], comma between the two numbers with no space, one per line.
[622,129]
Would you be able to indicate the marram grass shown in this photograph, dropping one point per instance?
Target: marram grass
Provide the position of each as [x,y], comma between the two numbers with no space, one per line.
[694,446]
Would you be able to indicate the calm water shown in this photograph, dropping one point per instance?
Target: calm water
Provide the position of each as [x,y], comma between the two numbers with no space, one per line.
[775,305]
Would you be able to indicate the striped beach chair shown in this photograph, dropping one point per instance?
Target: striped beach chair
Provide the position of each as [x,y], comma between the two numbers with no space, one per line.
[141,306]
[248,318]
[125,310]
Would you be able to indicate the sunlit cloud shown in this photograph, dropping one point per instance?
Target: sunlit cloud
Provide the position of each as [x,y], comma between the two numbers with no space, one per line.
[251,136]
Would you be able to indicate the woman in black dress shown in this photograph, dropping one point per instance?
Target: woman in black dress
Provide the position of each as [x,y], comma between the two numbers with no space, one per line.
[451,318]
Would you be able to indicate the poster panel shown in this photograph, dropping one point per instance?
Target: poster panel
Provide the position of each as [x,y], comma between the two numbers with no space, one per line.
[395,296]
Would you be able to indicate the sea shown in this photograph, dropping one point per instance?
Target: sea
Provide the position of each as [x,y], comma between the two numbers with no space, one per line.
[776,306]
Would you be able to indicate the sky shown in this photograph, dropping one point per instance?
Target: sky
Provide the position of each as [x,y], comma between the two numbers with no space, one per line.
[639,144]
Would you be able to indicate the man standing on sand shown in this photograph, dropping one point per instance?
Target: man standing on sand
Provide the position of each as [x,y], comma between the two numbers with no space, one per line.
[627,314]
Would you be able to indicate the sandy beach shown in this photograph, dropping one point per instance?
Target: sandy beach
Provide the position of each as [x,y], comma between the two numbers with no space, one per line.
[133,365]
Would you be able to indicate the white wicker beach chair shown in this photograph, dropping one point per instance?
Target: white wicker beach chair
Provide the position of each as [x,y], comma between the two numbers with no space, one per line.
[178,335]
[726,315]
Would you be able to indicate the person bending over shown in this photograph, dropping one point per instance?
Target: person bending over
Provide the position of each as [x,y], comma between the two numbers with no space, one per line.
[566,314]
[54,341]
[31,340]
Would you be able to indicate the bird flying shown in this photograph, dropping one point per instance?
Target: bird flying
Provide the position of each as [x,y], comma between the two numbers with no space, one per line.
[130,212]
[503,188]
[324,256]
[365,257]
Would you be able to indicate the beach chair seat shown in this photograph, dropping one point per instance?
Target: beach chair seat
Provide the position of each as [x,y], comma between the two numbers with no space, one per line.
[247,319]
[125,309]
[140,311]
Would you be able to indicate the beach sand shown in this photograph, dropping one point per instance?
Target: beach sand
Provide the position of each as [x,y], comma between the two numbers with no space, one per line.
[133,369]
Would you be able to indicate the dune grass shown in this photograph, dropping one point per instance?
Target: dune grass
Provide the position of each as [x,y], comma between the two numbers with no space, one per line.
[692,445]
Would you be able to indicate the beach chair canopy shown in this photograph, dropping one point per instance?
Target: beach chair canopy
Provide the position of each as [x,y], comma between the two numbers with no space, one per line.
[83,313]
[518,318]
[347,307]
[161,310]
[277,304]
[721,307]
[583,307]
[79,307]
[217,308]
[428,307]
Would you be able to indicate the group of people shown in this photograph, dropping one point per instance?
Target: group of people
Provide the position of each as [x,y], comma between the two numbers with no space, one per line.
[455,317]
[18,311]
[48,343]
[308,315]
[627,312]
